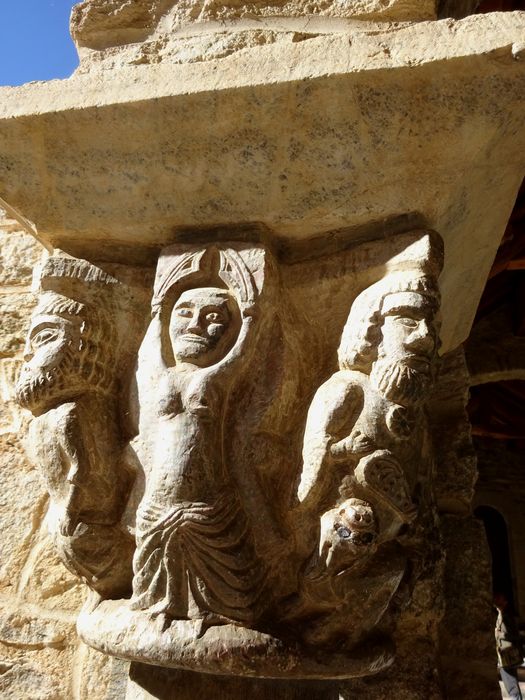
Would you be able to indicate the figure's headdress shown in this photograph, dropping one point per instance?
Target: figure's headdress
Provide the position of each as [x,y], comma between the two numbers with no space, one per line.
[362,332]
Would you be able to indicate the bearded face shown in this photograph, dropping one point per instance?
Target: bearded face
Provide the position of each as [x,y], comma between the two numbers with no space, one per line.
[403,371]
[50,374]
[400,383]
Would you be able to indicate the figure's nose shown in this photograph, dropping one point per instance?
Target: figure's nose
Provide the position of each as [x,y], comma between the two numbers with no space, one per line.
[28,351]
[195,324]
[422,338]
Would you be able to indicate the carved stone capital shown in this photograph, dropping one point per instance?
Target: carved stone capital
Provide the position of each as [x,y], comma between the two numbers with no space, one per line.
[246,503]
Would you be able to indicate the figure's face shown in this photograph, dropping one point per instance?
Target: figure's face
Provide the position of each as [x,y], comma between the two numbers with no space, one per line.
[404,366]
[203,326]
[48,341]
[408,331]
[50,354]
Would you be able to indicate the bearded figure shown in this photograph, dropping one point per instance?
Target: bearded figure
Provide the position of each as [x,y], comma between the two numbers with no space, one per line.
[69,383]
[366,461]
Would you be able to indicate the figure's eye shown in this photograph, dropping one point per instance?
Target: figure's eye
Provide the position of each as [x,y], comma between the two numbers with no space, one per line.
[184,313]
[48,335]
[213,317]
[408,322]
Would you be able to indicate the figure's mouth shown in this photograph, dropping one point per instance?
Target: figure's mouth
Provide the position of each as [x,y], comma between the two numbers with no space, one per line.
[192,338]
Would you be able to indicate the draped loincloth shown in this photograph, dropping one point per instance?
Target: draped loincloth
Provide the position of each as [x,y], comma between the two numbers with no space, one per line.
[197,559]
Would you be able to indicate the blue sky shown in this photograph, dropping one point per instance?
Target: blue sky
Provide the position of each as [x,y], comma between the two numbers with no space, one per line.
[34,40]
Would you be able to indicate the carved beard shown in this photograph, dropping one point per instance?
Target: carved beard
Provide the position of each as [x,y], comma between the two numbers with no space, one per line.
[38,390]
[399,383]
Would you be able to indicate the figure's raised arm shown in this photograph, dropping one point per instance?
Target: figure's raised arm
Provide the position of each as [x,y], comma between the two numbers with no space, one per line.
[150,355]
[242,351]
[331,418]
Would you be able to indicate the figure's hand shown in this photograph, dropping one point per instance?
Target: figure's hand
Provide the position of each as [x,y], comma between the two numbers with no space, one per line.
[356,443]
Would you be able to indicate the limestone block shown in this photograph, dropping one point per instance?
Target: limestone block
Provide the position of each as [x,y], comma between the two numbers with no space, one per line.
[42,673]
[19,253]
[132,159]
[99,676]
[416,638]
[16,309]
[20,524]
[11,418]
[44,581]
[20,629]
[31,680]
[99,24]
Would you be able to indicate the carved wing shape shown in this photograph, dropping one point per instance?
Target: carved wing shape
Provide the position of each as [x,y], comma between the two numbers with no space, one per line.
[187,264]
[234,272]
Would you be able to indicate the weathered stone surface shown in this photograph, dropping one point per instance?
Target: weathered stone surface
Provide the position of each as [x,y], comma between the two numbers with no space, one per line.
[100,676]
[30,680]
[456,470]
[16,307]
[18,256]
[465,625]
[19,525]
[147,682]
[45,581]
[99,24]
[135,162]
[282,501]
[28,631]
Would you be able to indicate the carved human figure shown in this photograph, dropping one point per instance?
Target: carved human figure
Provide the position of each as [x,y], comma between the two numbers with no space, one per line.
[195,553]
[364,457]
[69,383]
